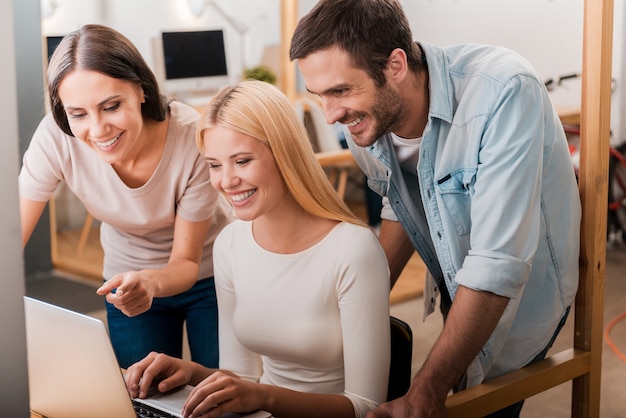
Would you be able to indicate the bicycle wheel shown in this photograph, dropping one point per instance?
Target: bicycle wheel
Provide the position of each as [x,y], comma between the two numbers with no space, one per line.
[616,221]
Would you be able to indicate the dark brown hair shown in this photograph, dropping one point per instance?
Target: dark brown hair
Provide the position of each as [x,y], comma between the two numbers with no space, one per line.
[102,49]
[368,30]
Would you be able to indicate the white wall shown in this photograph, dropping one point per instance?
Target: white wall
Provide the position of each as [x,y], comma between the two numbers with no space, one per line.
[251,24]
[547,32]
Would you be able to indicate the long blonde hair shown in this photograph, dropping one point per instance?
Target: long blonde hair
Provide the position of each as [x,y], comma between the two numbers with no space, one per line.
[260,110]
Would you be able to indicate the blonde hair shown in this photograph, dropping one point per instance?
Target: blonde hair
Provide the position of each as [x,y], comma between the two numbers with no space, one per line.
[260,110]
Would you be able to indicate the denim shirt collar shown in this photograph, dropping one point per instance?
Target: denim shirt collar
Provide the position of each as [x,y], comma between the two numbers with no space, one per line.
[439,85]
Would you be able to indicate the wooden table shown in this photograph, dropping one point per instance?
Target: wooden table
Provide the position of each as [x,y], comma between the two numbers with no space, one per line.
[569,116]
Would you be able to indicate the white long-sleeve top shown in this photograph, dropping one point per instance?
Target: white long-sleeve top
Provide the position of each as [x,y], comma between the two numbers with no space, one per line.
[314,321]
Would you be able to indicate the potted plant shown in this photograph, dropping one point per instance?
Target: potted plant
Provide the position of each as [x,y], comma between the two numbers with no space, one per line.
[260,72]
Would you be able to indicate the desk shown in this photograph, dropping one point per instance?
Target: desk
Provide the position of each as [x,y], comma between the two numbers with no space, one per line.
[569,116]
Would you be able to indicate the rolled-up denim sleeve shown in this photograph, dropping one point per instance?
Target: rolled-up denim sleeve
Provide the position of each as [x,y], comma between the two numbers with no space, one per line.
[506,203]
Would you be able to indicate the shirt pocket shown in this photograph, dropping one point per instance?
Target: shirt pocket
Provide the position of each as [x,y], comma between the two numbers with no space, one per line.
[455,190]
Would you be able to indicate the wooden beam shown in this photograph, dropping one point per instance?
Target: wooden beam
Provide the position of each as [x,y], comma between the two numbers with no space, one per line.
[508,389]
[288,22]
[593,183]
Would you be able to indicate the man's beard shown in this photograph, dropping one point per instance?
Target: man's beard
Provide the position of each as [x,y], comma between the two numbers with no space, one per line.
[388,112]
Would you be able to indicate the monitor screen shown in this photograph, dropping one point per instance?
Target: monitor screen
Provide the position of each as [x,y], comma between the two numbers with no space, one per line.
[193,61]
[51,44]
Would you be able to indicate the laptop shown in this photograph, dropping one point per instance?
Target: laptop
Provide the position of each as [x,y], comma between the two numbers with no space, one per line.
[73,371]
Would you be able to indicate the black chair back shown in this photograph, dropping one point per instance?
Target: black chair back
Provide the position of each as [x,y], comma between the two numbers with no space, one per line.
[401,359]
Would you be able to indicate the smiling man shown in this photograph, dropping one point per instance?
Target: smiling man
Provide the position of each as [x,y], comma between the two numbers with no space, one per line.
[472,162]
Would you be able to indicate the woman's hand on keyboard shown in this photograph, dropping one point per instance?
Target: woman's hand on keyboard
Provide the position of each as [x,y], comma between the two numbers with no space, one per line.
[165,371]
[223,392]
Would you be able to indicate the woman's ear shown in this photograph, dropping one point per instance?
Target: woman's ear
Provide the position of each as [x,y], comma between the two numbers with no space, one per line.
[142,94]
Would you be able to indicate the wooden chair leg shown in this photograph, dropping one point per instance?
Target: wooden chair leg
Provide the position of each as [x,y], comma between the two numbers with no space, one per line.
[84,234]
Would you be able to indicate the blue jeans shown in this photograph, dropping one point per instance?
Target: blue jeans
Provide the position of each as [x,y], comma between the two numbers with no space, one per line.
[160,329]
[513,411]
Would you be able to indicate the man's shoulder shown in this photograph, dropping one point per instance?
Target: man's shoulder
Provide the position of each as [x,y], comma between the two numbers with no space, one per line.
[492,61]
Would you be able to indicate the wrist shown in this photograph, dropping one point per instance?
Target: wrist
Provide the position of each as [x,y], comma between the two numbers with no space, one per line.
[428,388]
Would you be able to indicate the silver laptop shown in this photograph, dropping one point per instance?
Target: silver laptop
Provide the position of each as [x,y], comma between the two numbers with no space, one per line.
[73,371]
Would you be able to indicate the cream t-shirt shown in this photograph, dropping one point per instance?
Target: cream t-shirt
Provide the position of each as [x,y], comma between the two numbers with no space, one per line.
[137,226]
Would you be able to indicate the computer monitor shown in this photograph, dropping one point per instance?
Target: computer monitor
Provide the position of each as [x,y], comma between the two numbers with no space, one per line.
[51,44]
[192,62]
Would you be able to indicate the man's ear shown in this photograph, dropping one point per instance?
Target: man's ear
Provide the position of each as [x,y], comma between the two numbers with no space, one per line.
[397,65]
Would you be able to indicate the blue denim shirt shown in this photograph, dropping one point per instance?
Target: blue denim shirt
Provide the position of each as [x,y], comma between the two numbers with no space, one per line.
[494,205]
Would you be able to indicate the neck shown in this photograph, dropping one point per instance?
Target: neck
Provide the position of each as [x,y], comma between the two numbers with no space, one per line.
[415,94]
[290,231]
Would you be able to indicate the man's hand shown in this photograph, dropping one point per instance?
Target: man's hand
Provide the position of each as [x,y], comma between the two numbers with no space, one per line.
[472,319]
[416,403]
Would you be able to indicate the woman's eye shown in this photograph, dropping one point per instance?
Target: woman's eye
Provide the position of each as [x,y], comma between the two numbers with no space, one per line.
[213,166]
[112,107]
[75,115]
[243,162]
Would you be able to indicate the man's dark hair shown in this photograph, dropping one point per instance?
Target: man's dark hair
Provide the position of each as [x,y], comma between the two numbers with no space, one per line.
[368,30]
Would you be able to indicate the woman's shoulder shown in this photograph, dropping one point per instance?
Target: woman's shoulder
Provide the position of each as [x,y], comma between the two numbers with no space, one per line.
[49,138]
[355,231]
[181,131]
[48,127]
[355,238]
[183,114]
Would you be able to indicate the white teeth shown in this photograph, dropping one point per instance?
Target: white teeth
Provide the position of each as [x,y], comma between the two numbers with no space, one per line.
[354,122]
[108,143]
[242,196]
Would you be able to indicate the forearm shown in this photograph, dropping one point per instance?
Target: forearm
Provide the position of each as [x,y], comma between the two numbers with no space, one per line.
[30,212]
[283,403]
[470,323]
[397,246]
[172,279]
[182,269]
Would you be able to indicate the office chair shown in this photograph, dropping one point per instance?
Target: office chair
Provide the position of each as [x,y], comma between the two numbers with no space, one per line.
[401,359]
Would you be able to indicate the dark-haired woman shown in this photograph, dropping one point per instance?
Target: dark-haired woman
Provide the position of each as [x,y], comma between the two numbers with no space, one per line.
[130,157]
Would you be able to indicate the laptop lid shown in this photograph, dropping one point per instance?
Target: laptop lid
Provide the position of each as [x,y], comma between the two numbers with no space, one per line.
[73,371]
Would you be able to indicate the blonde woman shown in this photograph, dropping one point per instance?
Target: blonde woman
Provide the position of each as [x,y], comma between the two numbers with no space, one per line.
[302,284]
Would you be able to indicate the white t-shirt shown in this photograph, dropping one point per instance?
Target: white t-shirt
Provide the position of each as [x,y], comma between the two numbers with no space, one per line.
[315,321]
[407,151]
[137,227]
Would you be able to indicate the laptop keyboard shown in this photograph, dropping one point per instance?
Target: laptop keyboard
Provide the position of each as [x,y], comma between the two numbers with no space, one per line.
[146,411]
